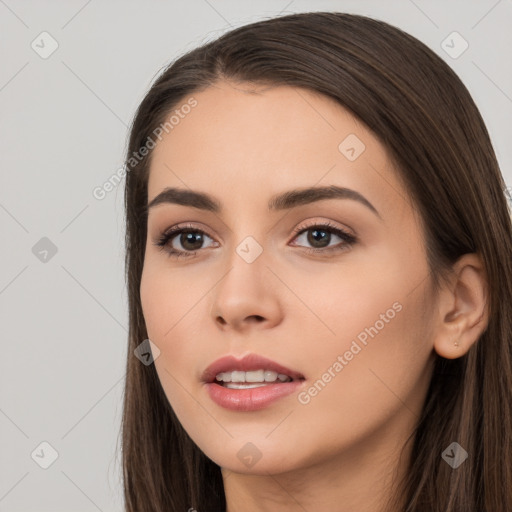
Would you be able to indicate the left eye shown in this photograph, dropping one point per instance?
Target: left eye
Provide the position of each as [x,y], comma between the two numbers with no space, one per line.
[191,239]
[318,235]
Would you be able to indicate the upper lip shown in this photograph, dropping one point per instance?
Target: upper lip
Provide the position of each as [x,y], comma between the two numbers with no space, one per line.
[246,364]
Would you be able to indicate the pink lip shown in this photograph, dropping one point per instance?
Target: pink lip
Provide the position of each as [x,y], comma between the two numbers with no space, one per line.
[251,399]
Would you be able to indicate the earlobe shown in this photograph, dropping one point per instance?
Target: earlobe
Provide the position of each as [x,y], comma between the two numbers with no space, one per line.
[463,308]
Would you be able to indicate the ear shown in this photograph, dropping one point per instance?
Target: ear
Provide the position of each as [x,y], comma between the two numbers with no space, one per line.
[462,314]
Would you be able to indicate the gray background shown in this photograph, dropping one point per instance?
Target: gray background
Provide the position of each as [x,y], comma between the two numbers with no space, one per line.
[63,131]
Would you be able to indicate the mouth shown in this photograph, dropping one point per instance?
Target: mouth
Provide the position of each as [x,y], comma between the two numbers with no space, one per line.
[249,384]
[253,379]
[249,372]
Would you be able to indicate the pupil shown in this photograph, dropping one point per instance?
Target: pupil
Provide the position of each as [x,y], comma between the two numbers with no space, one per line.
[314,239]
[191,238]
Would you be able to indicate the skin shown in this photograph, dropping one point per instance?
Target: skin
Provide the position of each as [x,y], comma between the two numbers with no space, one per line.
[340,451]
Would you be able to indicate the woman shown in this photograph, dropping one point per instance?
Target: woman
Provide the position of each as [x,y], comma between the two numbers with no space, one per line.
[319,249]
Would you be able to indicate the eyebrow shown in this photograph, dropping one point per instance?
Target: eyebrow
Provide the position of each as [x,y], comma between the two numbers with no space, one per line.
[283,201]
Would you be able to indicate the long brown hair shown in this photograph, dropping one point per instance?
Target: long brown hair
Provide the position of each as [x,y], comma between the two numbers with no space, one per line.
[420,110]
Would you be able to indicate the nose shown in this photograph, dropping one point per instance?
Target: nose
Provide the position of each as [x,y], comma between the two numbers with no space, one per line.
[245,298]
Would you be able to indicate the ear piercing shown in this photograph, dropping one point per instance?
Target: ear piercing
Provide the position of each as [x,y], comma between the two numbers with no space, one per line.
[456,343]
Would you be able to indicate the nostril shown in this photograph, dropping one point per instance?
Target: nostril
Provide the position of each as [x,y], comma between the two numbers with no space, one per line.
[257,318]
[251,318]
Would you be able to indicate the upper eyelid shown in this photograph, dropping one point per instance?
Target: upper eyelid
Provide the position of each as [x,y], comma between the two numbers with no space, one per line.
[175,230]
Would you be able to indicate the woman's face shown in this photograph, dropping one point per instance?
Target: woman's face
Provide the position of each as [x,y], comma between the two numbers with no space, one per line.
[349,322]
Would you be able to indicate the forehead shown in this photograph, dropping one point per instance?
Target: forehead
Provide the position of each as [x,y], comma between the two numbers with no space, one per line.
[255,140]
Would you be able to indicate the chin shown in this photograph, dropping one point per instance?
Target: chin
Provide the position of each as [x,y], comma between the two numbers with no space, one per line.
[257,457]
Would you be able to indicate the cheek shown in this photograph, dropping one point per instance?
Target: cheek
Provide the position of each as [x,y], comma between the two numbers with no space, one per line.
[168,314]
[378,347]
[347,300]
[166,302]
[384,377]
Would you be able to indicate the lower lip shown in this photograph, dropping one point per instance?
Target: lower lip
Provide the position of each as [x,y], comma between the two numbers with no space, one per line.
[251,399]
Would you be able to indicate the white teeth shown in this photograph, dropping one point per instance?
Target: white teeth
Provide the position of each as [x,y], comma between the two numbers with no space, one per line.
[270,376]
[255,376]
[237,376]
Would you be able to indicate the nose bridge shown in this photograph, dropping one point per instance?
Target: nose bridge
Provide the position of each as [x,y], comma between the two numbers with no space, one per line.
[245,272]
[247,241]
[243,293]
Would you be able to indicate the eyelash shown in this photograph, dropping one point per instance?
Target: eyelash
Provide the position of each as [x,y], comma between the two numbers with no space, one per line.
[163,240]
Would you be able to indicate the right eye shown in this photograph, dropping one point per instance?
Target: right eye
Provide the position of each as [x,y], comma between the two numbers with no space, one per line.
[190,239]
